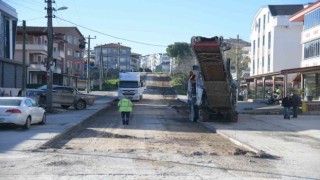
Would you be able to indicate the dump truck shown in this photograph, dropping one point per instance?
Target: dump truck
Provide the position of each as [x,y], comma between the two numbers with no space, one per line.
[212,96]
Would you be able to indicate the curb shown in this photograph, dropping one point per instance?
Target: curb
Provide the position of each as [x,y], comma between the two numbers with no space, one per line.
[72,129]
[233,140]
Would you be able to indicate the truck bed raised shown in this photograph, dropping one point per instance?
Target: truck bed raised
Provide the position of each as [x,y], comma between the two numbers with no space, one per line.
[215,74]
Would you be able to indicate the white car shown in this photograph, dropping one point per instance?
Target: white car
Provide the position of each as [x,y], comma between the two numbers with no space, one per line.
[21,111]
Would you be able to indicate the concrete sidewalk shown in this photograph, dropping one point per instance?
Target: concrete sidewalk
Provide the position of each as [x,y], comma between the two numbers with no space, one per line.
[57,124]
[296,142]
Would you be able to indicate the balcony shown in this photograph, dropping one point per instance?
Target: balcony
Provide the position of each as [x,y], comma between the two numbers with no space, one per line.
[58,55]
[37,67]
[33,47]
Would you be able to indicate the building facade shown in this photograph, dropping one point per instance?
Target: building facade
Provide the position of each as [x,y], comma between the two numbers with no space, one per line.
[10,70]
[73,63]
[310,59]
[156,61]
[36,45]
[310,37]
[135,61]
[67,56]
[113,56]
[275,40]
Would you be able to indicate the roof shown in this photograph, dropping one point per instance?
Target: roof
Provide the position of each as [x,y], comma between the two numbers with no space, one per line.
[299,16]
[281,10]
[112,45]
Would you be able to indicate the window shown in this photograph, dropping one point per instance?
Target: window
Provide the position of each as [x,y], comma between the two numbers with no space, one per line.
[259,23]
[269,40]
[268,63]
[312,19]
[77,54]
[39,60]
[75,41]
[262,62]
[254,47]
[69,52]
[258,43]
[69,39]
[312,49]
[268,17]
[262,40]
[264,22]
[253,67]
[258,65]
[1,37]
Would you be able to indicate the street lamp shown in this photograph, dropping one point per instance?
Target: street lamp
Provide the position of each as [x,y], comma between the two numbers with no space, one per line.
[50,49]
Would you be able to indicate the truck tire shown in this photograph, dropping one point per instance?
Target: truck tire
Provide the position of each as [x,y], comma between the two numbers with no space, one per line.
[80,105]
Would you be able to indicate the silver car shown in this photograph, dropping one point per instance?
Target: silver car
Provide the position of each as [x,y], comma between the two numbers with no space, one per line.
[21,111]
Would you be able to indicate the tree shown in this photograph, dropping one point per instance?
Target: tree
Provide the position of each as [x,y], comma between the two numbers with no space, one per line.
[180,51]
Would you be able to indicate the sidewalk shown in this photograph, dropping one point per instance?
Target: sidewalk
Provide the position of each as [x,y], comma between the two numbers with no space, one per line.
[57,125]
[296,142]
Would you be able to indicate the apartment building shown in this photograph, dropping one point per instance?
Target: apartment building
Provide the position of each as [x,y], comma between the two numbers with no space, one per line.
[310,40]
[135,61]
[275,40]
[157,60]
[310,37]
[73,63]
[10,70]
[113,56]
[67,63]
[36,44]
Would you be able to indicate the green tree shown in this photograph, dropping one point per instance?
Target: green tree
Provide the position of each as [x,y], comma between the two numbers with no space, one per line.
[184,60]
[180,51]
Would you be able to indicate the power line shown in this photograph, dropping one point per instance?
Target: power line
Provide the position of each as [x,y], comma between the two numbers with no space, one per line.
[128,40]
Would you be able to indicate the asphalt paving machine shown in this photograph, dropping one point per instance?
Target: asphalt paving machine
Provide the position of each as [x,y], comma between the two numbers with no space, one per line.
[212,96]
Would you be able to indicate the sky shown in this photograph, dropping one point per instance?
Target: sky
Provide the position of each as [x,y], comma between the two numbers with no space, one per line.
[148,26]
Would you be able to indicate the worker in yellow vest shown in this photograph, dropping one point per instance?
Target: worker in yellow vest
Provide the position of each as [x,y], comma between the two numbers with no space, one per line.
[125,107]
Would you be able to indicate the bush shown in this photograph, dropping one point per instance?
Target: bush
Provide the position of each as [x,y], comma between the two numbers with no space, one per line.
[108,85]
[178,84]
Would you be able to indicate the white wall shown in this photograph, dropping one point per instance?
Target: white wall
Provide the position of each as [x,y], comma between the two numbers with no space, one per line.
[285,51]
[287,47]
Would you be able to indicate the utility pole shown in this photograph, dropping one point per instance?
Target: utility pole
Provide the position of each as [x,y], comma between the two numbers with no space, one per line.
[23,91]
[237,68]
[49,58]
[100,69]
[88,62]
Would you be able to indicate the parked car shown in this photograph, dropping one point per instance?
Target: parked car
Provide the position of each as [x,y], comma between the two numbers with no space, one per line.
[64,95]
[21,111]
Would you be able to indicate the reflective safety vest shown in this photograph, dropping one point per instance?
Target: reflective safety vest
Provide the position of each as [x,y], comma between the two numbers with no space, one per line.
[125,105]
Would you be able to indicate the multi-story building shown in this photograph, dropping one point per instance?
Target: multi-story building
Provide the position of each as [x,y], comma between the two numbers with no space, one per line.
[67,56]
[152,61]
[310,40]
[10,70]
[275,40]
[310,37]
[73,64]
[36,45]
[135,61]
[113,56]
